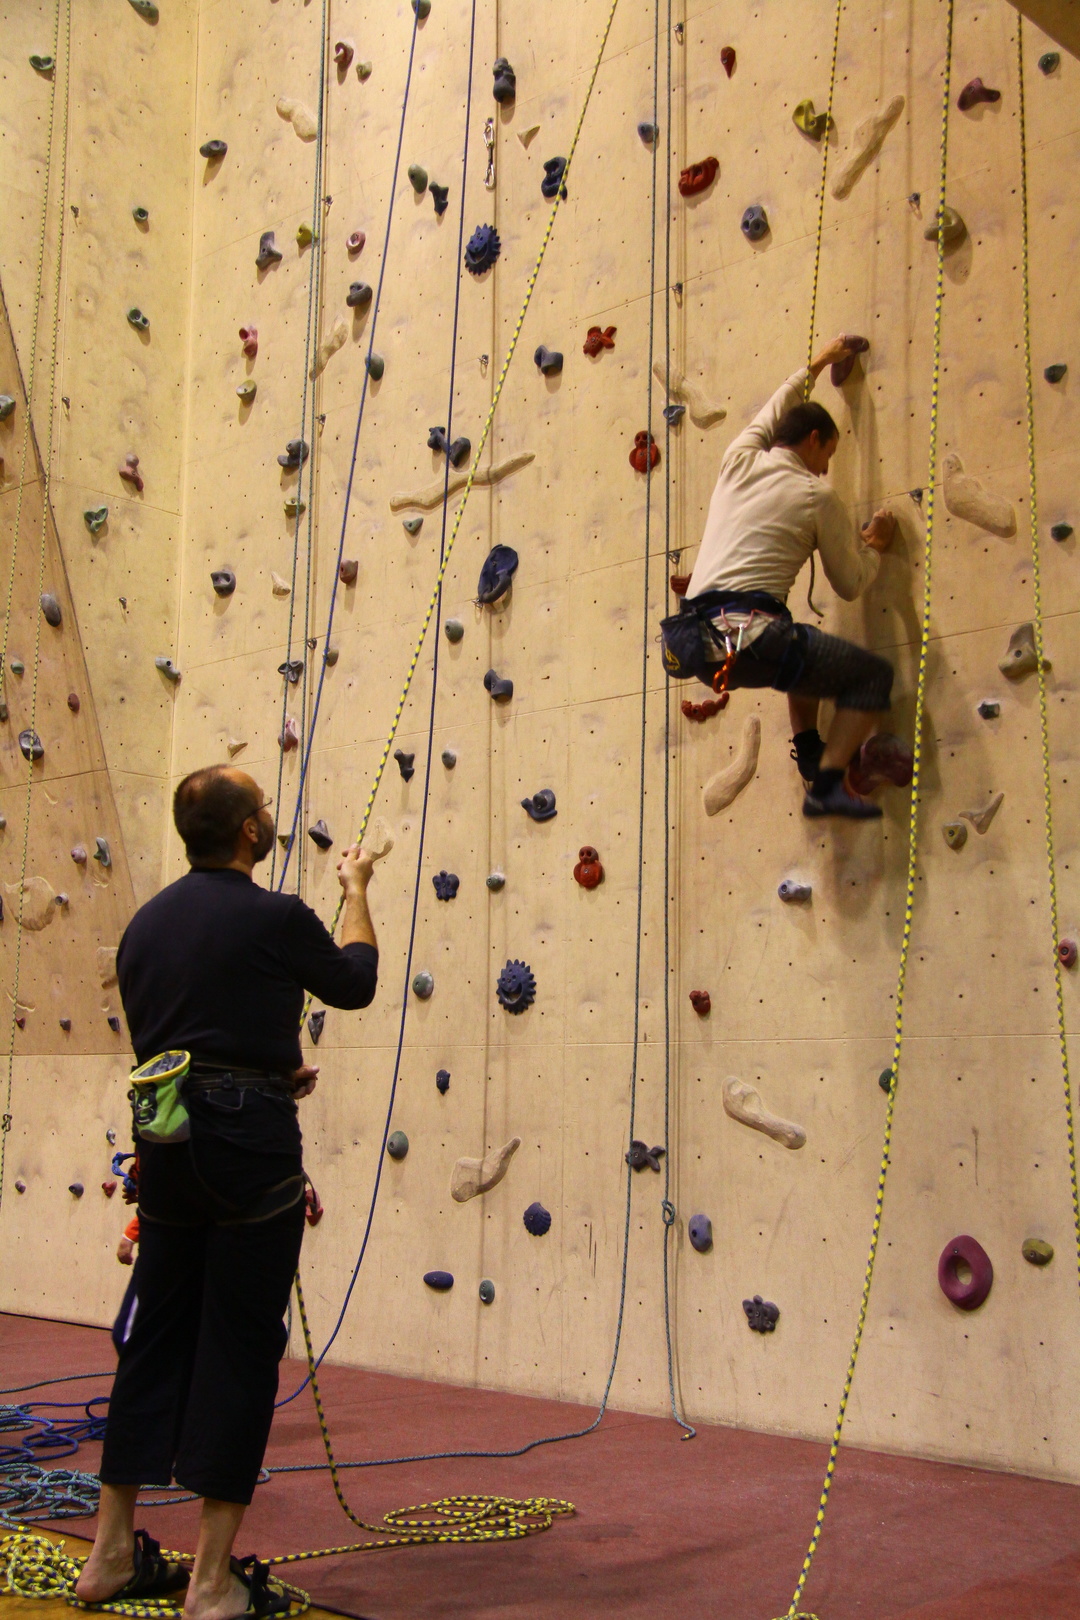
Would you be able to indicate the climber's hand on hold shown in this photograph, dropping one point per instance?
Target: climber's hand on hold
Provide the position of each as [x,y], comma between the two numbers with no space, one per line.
[878,533]
[354,870]
[303,1081]
[834,351]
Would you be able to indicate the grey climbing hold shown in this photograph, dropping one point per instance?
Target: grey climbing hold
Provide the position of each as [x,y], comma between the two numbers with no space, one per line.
[223,580]
[140,215]
[794,893]
[502,690]
[449,758]
[673,414]
[761,1314]
[885,1080]
[423,985]
[113,1023]
[412,525]
[138,320]
[441,1281]
[989,709]
[455,453]
[397,1145]
[482,250]
[954,834]
[246,390]
[495,881]
[446,885]
[700,1232]
[213,151]
[1022,657]
[505,87]
[331,656]
[641,1156]
[754,223]
[405,764]
[951,226]
[76,1188]
[320,835]
[296,453]
[7,405]
[541,806]
[442,1080]
[454,630]
[167,668]
[550,361]
[648,132]
[359,295]
[537,1220]
[1055,373]
[376,365]
[1037,1252]
[348,569]
[516,987]
[552,183]
[292,669]
[42,64]
[486,1291]
[315,1023]
[440,196]
[1061,531]
[500,566]
[1048,61]
[102,854]
[418,179]
[50,607]
[30,745]
[268,254]
[17,666]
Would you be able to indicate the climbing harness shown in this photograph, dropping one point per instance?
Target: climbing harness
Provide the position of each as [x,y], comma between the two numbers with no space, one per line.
[793,1612]
[1036,570]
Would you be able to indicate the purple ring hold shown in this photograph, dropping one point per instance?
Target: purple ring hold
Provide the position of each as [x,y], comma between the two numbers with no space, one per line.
[968,1296]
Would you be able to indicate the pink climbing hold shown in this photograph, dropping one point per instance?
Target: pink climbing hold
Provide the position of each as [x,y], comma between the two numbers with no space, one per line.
[967,1293]
[355,242]
[249,338]
[130,473]
[974,92]
[290,735]
[108,1188]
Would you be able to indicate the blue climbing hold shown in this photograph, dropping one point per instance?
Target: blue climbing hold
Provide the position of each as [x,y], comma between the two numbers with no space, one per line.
[442,1080]
[648,132]
[552,184]
[673,414]
[405,764]
[483,249]
[549,361]
[455,453]
[700,1229]
[446,885]
[541,807]
[500,687]
[755,223]
[516,987]
[359,295]
[537,1220]
[440,196]
[500,566]
[442,1281]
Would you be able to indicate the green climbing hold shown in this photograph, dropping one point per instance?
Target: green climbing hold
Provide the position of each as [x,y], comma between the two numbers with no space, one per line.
[398,1145]
[138,320]
[376,365]
[952,227]
[7,405]
[454,629]
[1055,373]
[418,177]
[140,215]
[96,518]
[412,525]
[247,389]
[145,8]
[363,70]
[487,1291]
[1037,1251]
[304,236]
[811,123]
[422,8]
[1048,61]
[885,1080]
[42,64]
[423,985]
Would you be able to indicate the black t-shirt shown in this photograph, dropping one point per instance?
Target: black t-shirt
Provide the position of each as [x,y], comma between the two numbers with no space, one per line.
[218,966]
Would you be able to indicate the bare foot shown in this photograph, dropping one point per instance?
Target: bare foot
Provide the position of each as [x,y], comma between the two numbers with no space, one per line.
[222,1602]
[105,1572]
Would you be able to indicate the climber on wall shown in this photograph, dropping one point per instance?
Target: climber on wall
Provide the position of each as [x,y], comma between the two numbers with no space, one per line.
[770,510]
[216,966]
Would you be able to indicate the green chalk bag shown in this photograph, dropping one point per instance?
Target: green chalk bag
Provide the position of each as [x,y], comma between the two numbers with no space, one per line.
[157,1104]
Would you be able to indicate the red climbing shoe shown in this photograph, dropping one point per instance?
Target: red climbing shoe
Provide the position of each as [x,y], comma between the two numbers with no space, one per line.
[883,760]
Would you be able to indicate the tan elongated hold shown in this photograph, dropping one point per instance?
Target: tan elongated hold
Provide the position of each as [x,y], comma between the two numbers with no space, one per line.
[727,784]
[301,118]
[966,498]
[105,963]
[280,587]
[981,819]
[331,343]
[379,840]
[742,1101]
[703,412]
[431,496]
[474,1176]
[866,143]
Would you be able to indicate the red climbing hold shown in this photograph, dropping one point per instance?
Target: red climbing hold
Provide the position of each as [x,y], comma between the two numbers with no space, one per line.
[727,59]
[974,92]
[108,1188]
[701,1001]
[680,584]
[130,471]
[596,339]
[73,702]
[646,452]
[249,338]
[706,709]
[348,569]
[1067,952]
[313,1209]
[588,871]
[966,1252]
[698,177]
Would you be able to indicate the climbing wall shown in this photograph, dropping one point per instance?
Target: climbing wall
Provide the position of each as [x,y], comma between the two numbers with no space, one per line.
[802,995]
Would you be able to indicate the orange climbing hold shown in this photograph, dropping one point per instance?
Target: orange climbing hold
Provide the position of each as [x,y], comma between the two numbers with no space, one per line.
[698,177]
[646,452]
[596,339]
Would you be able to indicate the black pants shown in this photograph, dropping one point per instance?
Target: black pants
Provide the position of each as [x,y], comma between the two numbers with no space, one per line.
[194,1392]
[803,660]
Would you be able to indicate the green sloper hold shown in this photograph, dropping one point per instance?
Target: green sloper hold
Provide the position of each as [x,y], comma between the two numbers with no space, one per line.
[397,1145]
[412,525]
[952,226]
[376,365]
[7,405]
[1037,1251]
[145,8]
[422,8]
[811,123]
[42,64]
[140,215]
[247,389]
[418,177]
[363,70]
[96,518]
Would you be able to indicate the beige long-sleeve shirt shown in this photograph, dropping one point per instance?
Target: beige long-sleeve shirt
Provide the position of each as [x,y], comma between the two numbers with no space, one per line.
[768,513]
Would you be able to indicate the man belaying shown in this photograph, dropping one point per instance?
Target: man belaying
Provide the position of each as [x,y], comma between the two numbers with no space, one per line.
[212,974]
[770,511]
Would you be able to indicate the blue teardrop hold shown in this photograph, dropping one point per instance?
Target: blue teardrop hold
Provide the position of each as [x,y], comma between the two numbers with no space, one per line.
[700,1230]
[442,1280]
[516,987]
[483,249]
[442,1080]
[537,1220]
[487,1291]
[500,566]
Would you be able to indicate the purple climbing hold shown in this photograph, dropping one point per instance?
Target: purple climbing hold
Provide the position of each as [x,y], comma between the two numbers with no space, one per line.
[516,987]
[441,1281]
[446,885]
[700,1230]
[641,1156]
[537,1220]
[552,183]
[967,1292]
[455,453]
[296,453]
[30,745]
[754,223]
[114,1023]
[315,1025]
[223,580]
[483,249]
[440,196]
[268,254]
[974,92]
[794,893]
[761,1314]
[405,764]
[442,1080]
[50,607]
[501,689]
[505,87]
[359,295]
[213,151]
[76,1188]
[541,807]
[320,835]
[499,568]
[292,669]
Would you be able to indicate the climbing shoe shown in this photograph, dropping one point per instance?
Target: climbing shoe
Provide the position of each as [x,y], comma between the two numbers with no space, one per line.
[835,800]
[807,748]
[883,760]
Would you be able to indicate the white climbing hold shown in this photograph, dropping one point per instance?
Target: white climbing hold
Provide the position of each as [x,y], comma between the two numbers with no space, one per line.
[866,143]
[331,343]
[526,135]
[380,840]
[428,498]
[981,819]
[105,963]
[33,902]
[234,745]
[966,498]
[742,1101]
[300,117]
[281,587]
[723,788]
[703,412]
[474,1176]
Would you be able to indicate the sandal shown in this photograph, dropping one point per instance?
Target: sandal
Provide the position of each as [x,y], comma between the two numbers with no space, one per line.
[264,1599]
[154,1575]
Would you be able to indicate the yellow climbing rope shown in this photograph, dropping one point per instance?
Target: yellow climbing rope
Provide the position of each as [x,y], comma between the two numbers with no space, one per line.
[794,1612]
[1036,573]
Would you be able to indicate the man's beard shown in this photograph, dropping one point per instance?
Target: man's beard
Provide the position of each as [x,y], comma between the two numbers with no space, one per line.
[265,841]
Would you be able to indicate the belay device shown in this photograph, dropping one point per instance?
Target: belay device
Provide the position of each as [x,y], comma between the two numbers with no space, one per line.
[157,1106]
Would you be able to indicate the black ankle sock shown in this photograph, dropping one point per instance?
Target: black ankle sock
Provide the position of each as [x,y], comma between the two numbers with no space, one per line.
[808,748]
[825,781]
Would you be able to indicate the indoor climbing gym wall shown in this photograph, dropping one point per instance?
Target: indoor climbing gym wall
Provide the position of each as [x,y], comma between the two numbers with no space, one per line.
[314,308]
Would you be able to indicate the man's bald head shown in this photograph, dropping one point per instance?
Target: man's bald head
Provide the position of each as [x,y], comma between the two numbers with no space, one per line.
[210,809]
